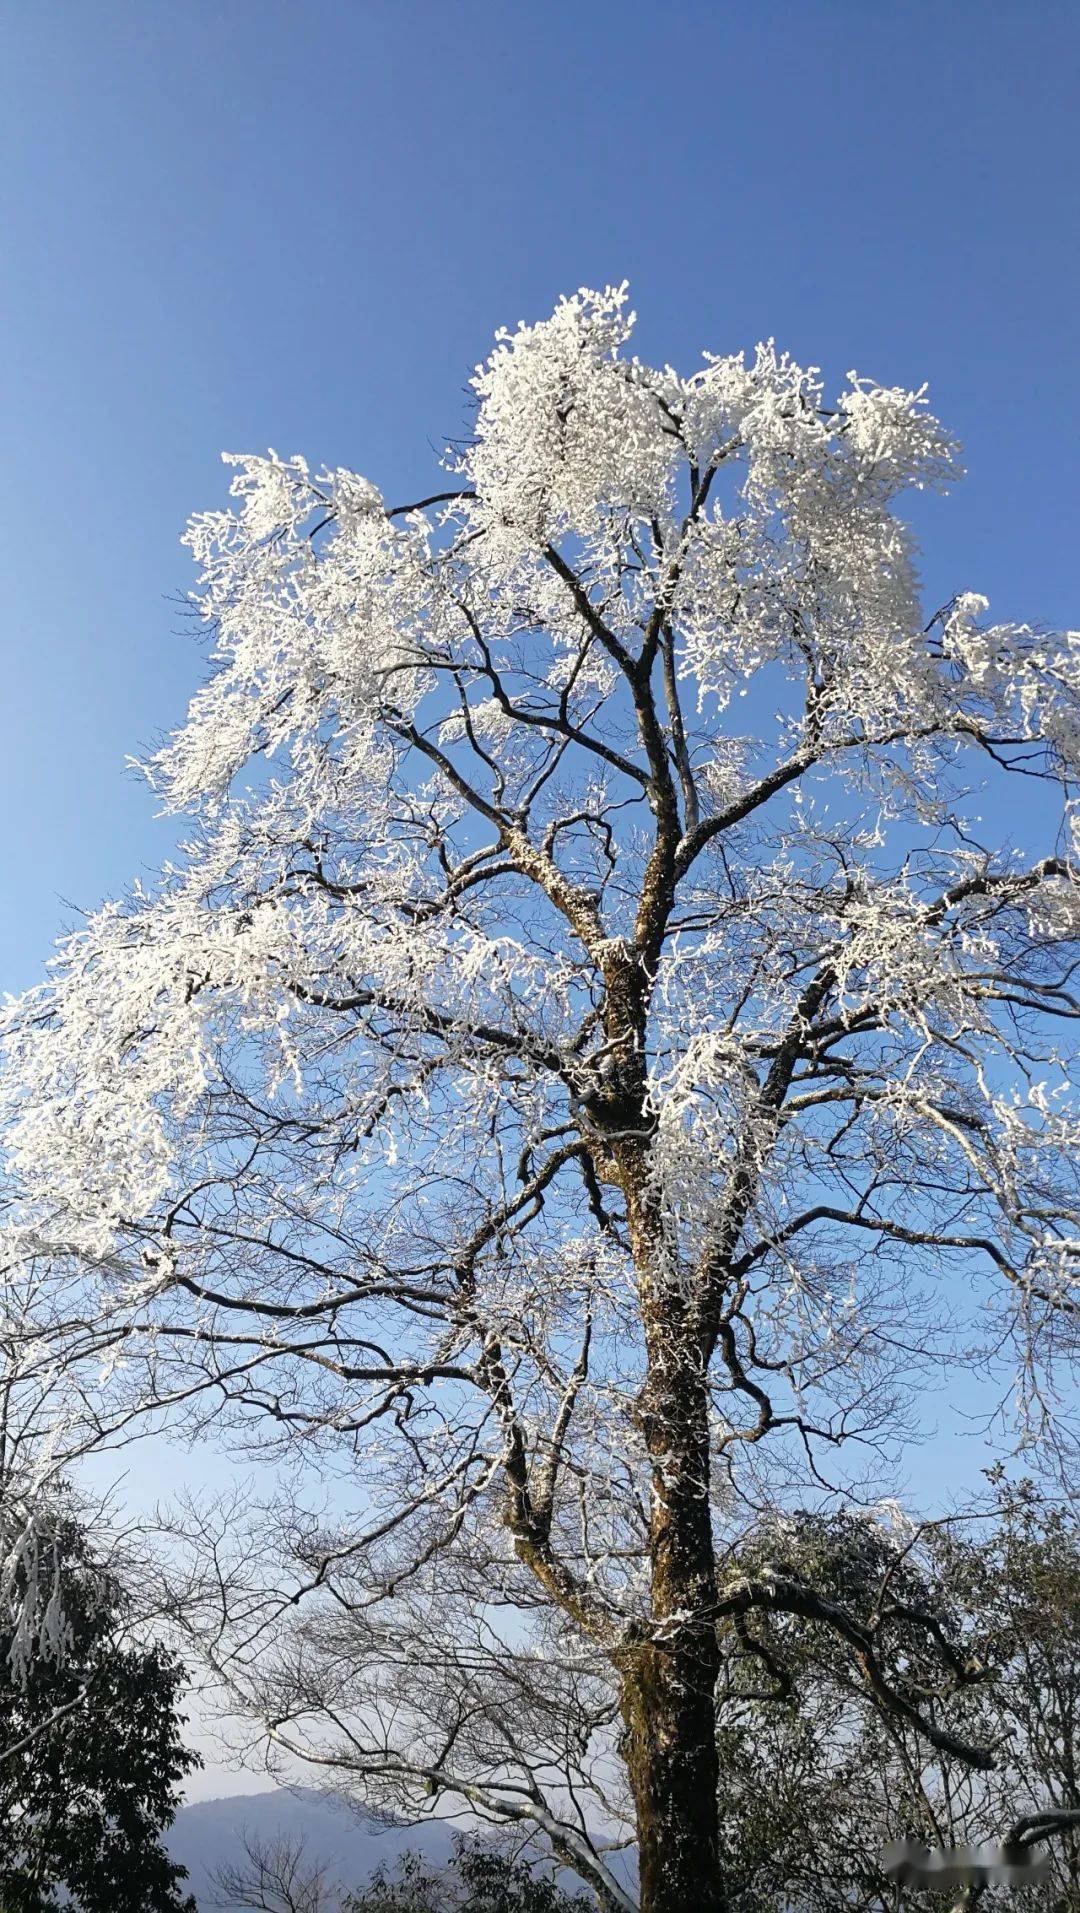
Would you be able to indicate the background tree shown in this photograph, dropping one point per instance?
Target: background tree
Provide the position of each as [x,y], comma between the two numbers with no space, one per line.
[815,1783]
[476,1880]
[1022,1585]
[279,1876]
[93,1754]
[33,1455]
[568,1119]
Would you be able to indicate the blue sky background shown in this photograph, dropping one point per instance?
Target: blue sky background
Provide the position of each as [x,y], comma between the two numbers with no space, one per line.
[262,223]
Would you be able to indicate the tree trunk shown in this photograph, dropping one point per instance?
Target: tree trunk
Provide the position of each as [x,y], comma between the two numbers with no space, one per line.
[669,1681]
[670,1751]
[669,1692]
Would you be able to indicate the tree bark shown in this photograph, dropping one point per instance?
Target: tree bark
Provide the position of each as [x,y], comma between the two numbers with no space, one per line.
[670,1751]
[669,1690]
[669,1680]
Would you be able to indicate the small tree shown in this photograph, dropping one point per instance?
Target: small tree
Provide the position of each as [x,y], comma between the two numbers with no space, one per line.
[476,1880]
[91,1754]
[279,1876]
[32,1459]
[555,1105]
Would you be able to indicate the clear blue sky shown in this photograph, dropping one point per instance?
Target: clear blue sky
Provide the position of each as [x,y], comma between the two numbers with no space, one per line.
[265,223]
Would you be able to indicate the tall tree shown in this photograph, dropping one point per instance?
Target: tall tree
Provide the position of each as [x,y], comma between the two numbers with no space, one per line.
[563,1111]
[91,1750]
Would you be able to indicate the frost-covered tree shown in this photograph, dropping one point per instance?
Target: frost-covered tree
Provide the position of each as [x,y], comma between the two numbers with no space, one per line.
[562,1102]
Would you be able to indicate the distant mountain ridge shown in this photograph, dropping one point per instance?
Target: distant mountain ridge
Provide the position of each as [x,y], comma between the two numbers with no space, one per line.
[207,1835]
